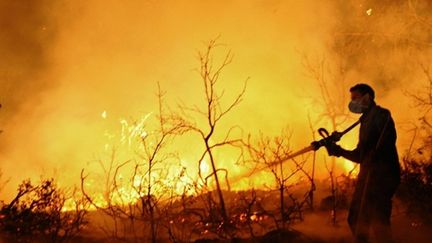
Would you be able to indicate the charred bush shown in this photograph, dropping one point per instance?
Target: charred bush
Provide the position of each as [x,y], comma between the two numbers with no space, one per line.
[39,210]
[415,190]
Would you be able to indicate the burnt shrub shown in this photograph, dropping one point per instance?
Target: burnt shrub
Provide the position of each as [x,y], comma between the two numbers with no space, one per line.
[415,190]
[39,211]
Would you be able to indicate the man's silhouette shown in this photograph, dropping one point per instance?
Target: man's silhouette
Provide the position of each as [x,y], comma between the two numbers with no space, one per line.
[379,174]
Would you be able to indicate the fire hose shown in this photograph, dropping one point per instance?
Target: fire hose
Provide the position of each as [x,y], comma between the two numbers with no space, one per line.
[327,139]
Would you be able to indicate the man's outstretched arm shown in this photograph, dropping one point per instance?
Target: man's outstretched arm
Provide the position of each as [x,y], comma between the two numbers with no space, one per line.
[336,150]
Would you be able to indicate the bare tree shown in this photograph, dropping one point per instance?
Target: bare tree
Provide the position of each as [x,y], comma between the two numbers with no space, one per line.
[155,201]
[330,79]
[213,113]
[148,182]
[270,154]
[422,99]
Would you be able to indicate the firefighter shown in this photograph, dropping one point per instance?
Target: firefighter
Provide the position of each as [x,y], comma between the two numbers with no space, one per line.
[379,174]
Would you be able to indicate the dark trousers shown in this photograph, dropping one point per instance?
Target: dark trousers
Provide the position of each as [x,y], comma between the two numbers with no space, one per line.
[371,208]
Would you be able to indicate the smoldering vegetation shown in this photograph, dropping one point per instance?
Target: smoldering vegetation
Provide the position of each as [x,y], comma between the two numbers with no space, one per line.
[141,189]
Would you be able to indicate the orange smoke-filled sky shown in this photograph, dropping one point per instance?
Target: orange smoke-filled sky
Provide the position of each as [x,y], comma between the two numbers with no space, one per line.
[68,62]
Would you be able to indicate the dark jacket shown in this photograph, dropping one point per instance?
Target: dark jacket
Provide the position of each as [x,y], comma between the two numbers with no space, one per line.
[376,152]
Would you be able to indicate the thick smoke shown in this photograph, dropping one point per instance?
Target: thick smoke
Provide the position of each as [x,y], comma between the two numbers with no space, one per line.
[382,42]
[387,44]
[28,32]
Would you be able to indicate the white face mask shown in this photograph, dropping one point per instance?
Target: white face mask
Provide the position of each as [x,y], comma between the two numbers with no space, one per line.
[356,106]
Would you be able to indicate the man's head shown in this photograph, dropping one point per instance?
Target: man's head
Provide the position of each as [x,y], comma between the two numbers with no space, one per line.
[362,97]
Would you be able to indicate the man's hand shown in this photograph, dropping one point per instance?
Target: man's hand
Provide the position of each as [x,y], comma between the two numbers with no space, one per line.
[336,136]
[333,149]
